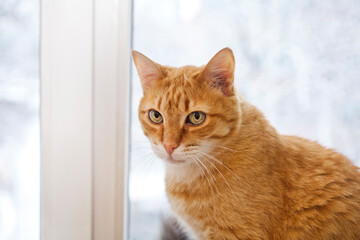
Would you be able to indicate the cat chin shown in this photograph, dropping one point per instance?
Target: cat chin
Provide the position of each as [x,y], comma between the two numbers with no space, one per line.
[172,161]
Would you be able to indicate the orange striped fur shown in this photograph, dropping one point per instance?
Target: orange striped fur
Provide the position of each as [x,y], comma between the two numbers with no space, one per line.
[234,176]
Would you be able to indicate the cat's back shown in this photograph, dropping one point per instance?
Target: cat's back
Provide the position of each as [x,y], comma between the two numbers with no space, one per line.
[322,195]
[310,158]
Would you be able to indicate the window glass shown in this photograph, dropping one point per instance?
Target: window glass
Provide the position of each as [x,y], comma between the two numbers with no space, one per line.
[19,120]
[298,61]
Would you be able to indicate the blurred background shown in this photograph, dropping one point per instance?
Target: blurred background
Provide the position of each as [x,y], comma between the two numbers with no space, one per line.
[19,120]
[298,61]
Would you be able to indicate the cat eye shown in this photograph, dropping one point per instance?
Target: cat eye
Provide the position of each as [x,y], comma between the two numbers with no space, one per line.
[155,116]
[196,118]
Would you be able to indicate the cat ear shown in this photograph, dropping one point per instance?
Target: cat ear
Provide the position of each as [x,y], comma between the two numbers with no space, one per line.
[219,72]
[148,70]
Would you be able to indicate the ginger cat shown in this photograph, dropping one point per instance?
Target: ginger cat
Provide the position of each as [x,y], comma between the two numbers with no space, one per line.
[229,174]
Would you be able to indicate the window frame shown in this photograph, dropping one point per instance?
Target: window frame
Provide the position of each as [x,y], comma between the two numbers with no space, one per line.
[85,87]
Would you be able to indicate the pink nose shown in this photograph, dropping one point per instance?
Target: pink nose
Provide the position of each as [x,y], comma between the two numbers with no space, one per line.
[170,147]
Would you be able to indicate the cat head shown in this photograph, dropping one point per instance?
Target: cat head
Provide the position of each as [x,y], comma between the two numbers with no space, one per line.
[188,112]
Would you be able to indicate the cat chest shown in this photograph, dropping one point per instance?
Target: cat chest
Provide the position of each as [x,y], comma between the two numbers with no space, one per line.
[214,212]
[195,216]
[198,211]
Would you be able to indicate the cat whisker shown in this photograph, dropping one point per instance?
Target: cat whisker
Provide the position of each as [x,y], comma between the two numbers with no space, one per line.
[227,183]
[219,146]
[207,169]
[151,160]
[219,162]
[240,125]
[144,156]
[143,146]
[144,160]
[196,160]
[146,166]
[212,177]
[139,143]
[192,148]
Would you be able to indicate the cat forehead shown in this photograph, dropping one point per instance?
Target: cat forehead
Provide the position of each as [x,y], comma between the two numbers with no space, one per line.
[174,99]
[181,75]
[177,91]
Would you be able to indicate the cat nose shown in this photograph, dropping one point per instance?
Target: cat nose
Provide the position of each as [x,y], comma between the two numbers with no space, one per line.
[170,147]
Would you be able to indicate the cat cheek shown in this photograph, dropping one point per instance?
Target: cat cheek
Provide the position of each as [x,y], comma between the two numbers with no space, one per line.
[208,146]
[159,151]
[220,132]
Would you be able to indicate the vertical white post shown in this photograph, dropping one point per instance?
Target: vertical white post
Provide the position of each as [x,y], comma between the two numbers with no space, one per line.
[124,37]
[85,72]
[66,118]
[111,112]
[105,119]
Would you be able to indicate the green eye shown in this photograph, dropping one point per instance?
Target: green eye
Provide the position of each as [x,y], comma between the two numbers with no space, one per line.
[155,117]
[196,118]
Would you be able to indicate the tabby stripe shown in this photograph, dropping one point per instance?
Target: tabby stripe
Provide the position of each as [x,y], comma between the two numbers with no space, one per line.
[159,102]
[187,102]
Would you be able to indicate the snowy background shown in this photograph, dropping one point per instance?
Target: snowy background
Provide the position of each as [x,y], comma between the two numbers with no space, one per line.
[298,61]
[19,120]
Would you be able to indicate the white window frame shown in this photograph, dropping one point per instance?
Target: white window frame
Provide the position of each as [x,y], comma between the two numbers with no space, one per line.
[85,86]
